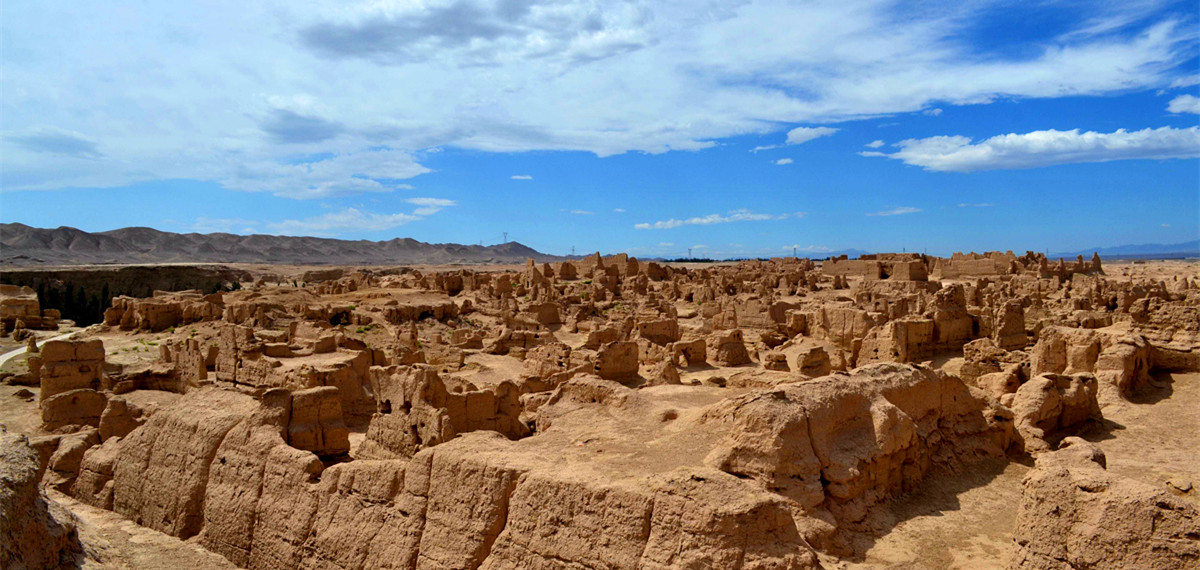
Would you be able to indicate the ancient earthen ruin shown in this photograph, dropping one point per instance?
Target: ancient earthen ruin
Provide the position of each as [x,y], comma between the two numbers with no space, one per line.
[615,413]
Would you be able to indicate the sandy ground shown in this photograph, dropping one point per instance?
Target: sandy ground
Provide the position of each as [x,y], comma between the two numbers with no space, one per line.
[965,521]
[1156,437]
[1152,268]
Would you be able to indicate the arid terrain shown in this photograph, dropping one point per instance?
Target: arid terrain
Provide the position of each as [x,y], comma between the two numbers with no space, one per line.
[893,411]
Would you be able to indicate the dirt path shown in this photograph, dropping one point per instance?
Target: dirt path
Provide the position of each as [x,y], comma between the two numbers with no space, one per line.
[14,353]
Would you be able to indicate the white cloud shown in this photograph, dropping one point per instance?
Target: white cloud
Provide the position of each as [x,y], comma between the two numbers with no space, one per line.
[874,144]
[665,244]
[619,210]
[521,177]
[1186,81]
[611,76]
[328,224]
[1045,148]
[430,206]
[932,112]
[783,161]
[740,215]
[896,211]
[1164,225]
[979,205]
[1184,104]
[800,135]
[333,223]
[339,175]
[440,202]
[582,212]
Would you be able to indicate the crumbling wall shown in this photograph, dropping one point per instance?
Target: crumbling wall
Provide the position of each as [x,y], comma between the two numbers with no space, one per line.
[70,365]
[35,533]
[1075,515]
[839,445]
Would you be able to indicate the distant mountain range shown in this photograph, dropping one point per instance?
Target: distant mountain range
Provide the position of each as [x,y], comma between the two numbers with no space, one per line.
[1139,251]
[22,245]
[25,246]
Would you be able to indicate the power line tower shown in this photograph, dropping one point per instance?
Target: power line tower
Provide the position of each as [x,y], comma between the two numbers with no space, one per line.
[794,252]
[689,253]
[505,237]
[572,251]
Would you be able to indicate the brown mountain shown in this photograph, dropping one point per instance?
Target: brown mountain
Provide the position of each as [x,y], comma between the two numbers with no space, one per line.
[22,245]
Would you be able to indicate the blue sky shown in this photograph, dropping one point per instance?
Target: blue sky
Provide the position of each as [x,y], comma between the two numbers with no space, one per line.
[731,128]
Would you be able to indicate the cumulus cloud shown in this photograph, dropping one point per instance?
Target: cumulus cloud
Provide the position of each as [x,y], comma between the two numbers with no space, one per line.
[896,211]
[874,144]
[1045,148]
[932,112]
[521,177]
[1184,104]
[739,215]
[783,161]
[611,76]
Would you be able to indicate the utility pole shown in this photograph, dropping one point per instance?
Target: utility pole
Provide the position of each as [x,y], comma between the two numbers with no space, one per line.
[505,237]
[794,252]
[572,251]
[689,253]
